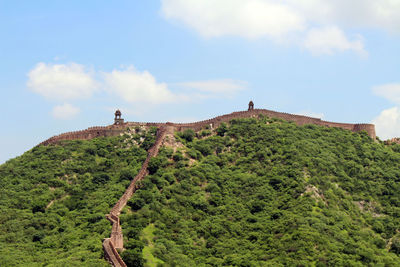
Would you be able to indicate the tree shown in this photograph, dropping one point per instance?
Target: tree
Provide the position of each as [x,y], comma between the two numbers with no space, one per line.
[100,178]
[155,163]
[188,135]
[222,129]
[133,257]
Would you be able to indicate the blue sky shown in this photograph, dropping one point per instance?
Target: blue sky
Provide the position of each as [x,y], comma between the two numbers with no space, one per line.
[67,65]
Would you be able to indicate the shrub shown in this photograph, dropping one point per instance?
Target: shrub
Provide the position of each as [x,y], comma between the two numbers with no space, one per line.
[222,129]
[100,178]
[127,174]
[133,257]
[155,163]
[39,206]
[188,135]
[177,156]
[136,203]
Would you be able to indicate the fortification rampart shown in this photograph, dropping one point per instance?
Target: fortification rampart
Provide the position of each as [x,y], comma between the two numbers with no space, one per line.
[113,130]
[111,254]
[116,210]
[115,241]
[89,133]
[110,245]
[298,119]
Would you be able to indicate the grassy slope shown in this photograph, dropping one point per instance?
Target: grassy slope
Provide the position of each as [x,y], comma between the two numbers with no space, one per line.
[53,199]
[147,235]
[270,193]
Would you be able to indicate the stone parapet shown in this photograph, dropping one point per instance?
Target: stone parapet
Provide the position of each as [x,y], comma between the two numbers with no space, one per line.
[113,130]
[116,239]
[111,254]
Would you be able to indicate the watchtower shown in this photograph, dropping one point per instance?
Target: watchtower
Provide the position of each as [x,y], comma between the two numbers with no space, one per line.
[118,119]
[251,105]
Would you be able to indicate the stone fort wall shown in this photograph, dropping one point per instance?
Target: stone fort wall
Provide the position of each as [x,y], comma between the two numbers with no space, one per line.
[298,119]
[113,130]
[87,134]
[116,240]
[110,245]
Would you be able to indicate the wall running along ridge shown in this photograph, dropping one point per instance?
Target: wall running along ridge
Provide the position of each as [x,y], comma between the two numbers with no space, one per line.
[110,245]
[113,130]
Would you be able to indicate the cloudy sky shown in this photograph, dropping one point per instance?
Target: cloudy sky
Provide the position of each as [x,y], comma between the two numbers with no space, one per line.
[67,65]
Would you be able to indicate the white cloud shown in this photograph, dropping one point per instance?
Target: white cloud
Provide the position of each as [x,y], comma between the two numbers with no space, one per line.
[390,91]
[250,19]
[141,87]
[331,39]
[135,86]
[61,81]
[380,14]
[287,20]
[65,111]
[71,81]
[222,86]
[387,124]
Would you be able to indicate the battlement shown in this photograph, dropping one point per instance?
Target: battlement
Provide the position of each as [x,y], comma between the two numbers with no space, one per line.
[120,127]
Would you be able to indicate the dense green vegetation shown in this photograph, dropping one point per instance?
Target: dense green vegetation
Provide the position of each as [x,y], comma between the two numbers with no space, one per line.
[255,192]
[268,193]
[53,199]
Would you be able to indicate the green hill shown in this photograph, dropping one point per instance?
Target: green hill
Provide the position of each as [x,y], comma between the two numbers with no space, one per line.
[53,199]
[256,192]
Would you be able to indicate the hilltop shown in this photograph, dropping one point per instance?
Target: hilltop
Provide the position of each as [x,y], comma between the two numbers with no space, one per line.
[265,192]
[254,191]
[120,126]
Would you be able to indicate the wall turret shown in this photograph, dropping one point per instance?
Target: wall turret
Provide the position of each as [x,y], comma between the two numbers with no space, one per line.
[251,105]
[118,120]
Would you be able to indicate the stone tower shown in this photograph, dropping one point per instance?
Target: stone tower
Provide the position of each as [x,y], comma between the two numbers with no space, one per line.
[118,120]
[251,105]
